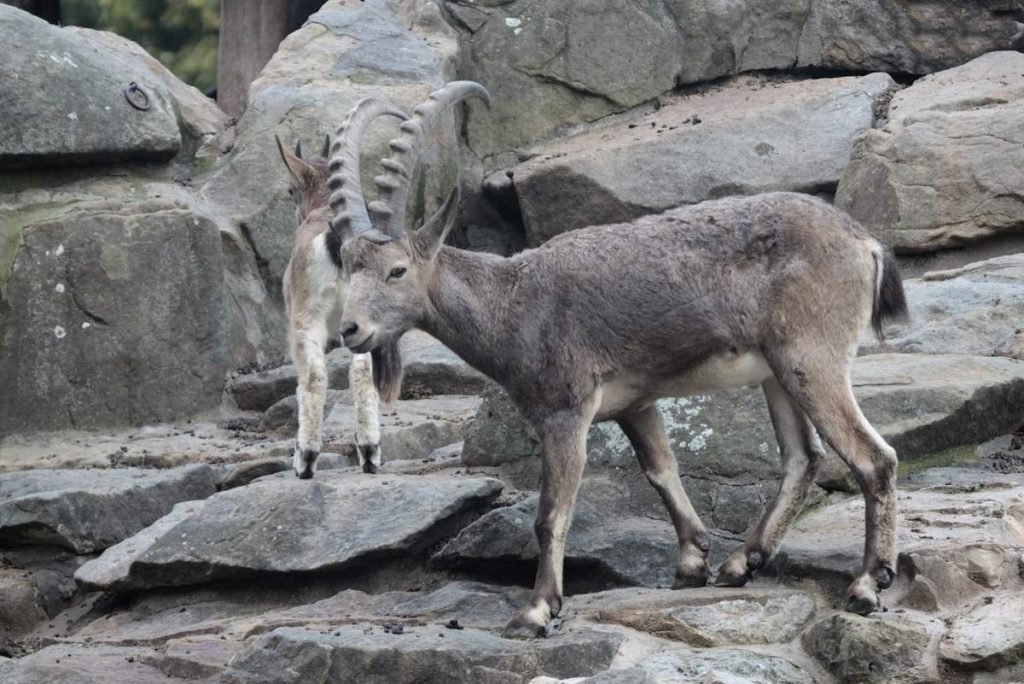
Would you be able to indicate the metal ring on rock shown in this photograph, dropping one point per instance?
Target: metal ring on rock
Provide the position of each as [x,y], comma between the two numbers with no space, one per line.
[137,97]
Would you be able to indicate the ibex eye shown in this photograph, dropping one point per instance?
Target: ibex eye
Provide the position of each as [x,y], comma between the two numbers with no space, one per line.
[397,272]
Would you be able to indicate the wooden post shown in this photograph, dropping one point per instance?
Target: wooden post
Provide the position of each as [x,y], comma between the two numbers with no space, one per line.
[250,31]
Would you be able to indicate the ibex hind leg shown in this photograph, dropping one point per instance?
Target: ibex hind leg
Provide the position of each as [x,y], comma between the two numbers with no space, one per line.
[646,432]
[820,385]
[801,454]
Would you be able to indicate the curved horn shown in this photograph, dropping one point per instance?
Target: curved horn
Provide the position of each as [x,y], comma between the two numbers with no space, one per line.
[388,210]
[346,198]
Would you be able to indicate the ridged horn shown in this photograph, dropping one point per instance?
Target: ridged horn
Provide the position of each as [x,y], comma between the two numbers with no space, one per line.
[388,211]
[346,200]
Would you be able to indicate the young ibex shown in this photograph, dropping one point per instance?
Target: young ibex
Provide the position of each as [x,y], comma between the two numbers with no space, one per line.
[313,292]
[599,323]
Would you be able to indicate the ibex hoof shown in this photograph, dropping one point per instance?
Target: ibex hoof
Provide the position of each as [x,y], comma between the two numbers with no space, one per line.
[735,571]
[687,578]
[884,577]
[861,605]
[304,463]
[369,457]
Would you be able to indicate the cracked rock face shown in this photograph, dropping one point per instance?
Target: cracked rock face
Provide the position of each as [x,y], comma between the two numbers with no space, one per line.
[966,121]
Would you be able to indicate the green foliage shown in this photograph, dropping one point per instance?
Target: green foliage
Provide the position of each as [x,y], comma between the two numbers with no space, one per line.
[182,34]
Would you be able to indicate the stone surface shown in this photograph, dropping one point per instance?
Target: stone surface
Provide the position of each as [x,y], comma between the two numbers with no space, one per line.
[499,433]
[622,551]
[941,173]
[62,100]
[82,664]
[974,309]
[20,611]
[744,137]
[343,53]
[704,617]
[90,510]
[113,305]
[858,649]
[360,652]
[555,64]
[989,636]
[282,524]
[946,577]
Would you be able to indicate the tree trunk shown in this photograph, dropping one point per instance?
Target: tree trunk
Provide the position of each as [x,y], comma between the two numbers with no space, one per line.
[250,31]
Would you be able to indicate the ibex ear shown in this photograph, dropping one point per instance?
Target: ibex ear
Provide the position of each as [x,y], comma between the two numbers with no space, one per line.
[430,237]
[296,167]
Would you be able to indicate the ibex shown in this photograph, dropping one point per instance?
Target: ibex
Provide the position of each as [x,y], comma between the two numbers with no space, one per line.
[599,323]
[313,291]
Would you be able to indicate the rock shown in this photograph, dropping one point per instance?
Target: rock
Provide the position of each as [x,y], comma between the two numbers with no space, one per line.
[556,64]
[75,663]
[858,649]
[876,35]
[973,309]
[1011,346]
[430,368]
[937,175]
[20,611]
[947,577]
[282,524]
[631,551]
[366,653]
[925,403]
[345,52]
[64,101]
[987,637]
[90,510]
[719,666]
[197,657]
[244,473]
[499,433]
[94,338]
[752,137]
[704,617]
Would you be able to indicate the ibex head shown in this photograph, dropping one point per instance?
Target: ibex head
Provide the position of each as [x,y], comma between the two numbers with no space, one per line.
[388,271]
[307,179]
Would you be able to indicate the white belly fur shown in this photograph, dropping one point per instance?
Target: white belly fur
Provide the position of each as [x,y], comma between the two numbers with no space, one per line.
[719,372]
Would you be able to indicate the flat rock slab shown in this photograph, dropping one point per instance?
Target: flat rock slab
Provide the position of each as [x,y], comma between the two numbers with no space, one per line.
[924,403]
[90,510]
[748,137]
[367,653]
[989,636]
[939,174]
[430,368]
[632,551]
[82,664]
[282,524]
[708,616]
[972,309]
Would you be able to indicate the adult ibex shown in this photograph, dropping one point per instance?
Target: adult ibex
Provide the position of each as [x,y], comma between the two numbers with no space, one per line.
[313,291]
[599,323]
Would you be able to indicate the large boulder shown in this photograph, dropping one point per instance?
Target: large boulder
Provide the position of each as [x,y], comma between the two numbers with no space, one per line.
[90,510]
[282,524]
[941,173]
[745,137]
[345,52]
[113,307]
[555,64]
[859,649]
[989,636]
[65,99]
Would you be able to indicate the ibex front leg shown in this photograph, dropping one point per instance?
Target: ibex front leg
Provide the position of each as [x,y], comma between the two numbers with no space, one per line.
[564,444]
[311,393]
[367,401]
[646,432]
